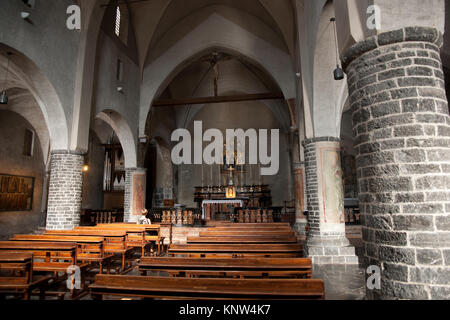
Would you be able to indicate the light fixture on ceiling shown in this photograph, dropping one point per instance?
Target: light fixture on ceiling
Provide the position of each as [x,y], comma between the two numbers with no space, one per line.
[338,72]
[4,95]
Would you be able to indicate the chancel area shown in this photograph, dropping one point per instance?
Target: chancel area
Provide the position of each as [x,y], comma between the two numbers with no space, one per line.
[223,149]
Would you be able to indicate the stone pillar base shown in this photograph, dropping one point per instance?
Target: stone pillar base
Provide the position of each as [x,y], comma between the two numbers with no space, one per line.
[299,226]
[330,251]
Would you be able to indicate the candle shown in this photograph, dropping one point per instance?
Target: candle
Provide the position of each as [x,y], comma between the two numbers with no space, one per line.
[202,178]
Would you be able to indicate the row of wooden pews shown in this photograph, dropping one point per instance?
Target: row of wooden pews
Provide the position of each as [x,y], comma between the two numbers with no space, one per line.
[17,277]
[50,262]
[242,240]
[265,263]
[91,249]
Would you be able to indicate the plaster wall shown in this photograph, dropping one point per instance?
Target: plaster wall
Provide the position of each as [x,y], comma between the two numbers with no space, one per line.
[47,43]
[106,96]
[243,115]
[93,179]
[26,106]
[13,162]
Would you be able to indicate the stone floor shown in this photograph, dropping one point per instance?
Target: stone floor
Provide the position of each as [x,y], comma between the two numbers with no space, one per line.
[342,282]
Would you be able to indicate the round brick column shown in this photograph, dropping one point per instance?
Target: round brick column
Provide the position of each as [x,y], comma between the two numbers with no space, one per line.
[326,241]
[134,196]
[401,129]
[65,190]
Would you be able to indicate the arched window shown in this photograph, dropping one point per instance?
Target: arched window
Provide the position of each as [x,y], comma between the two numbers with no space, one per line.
[121,23]
[118,17]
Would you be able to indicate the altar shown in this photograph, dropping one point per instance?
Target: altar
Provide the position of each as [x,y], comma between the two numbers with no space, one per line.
[211,207]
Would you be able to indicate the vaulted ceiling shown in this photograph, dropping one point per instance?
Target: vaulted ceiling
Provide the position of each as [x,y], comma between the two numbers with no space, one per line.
[155,20]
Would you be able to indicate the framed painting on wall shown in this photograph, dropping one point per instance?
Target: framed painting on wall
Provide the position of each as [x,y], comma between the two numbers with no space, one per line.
[16,193]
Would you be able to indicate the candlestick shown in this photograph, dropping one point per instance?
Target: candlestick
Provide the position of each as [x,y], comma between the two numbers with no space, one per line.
[211,167]
[259,173]
[218,177]
[203,184]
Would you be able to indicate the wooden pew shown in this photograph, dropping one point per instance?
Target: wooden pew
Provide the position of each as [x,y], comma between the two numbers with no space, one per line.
[115,241]
[245,233]
[16,277]
[89,249]
[238,267]
[251,229]
[206,289]
[53,257]
[51,252]
[236,250]
[243,239]
[152,232]
[136,237]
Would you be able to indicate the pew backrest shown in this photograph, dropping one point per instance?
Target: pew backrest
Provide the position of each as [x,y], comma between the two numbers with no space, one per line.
[87,247]
[208,288]
[48,251]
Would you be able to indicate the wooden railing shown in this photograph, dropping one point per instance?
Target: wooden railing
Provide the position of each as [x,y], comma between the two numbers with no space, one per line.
[93,217]
[185,217]
[352,211]
[193,216]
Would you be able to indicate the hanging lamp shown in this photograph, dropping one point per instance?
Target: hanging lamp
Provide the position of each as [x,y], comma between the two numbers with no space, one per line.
[338,73]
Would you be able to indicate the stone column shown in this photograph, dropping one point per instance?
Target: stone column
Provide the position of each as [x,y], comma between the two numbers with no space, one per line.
[299,193]
[135,193]
[326,241]
[402,142]
[161,194]
[65,190]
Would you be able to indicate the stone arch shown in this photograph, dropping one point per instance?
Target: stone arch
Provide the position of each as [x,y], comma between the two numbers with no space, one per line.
[123,131]
[43,92]
[214,32]
[93,12]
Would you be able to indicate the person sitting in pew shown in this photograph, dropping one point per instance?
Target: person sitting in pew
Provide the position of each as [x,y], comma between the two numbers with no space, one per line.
[143,219]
